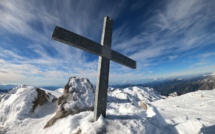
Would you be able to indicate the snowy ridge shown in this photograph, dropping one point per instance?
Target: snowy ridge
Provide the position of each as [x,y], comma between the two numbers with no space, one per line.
[17,105]
[60,90]
[134,94]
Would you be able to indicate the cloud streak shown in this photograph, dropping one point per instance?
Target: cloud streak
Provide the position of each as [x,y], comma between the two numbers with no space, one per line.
[178,27]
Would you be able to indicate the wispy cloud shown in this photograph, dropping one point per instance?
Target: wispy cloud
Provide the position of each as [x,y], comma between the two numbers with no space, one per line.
[9,54]
[206,55]
[177,27]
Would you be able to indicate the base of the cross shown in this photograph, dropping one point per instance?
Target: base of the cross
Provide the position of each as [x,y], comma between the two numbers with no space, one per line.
[101,88]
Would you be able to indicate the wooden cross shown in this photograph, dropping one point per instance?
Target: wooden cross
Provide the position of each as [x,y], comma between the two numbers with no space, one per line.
[105,54]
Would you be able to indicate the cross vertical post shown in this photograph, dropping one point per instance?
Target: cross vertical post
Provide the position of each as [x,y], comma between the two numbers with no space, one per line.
[103,70]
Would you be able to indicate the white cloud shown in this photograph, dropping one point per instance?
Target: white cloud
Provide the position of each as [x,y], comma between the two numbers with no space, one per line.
[34,75]
[206,55]
[172,57]
[148,53]
[9,54]
[183,9]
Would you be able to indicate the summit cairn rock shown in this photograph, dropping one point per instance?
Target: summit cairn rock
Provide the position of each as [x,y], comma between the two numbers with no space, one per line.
[78,96]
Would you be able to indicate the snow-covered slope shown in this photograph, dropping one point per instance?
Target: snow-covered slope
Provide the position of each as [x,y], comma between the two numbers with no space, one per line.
[189,113]
[20,104]
[17,105]
[60,90]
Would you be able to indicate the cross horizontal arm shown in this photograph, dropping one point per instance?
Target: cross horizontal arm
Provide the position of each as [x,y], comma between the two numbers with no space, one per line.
[121,59]
[73,39]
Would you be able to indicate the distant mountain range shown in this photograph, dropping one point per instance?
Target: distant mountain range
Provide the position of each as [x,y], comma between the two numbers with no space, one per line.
[205,82]
[3,91]
[6,87]
[165,87]
[51,87]
[181,86]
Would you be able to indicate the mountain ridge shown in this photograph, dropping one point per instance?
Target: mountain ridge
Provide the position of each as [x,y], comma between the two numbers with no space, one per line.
[180,85]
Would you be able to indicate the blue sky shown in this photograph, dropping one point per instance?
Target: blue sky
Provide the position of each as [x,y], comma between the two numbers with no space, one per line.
[167,38]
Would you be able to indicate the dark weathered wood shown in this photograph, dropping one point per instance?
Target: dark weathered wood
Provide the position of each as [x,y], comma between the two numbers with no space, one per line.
[73,39]
[103,71]
[121,59]
[101,88]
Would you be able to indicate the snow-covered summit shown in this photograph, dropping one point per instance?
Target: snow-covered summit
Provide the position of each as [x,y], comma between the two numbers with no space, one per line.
[78,95]
[81,92]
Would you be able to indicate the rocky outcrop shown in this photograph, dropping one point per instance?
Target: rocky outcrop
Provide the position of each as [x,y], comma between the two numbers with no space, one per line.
[78,96]
[41,98]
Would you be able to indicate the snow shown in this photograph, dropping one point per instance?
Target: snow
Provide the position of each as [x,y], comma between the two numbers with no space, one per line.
[59,90]
[213,74]
[17,105]
[54,93]
[191,113]
[135,94]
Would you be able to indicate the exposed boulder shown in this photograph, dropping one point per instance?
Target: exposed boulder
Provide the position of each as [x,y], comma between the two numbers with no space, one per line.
[174,94]
[41,98]
[143,105]
[78,96]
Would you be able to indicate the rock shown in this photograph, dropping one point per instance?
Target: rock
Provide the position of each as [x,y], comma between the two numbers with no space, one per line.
[78,96]
[174,94]
[143,105]
[41,99]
